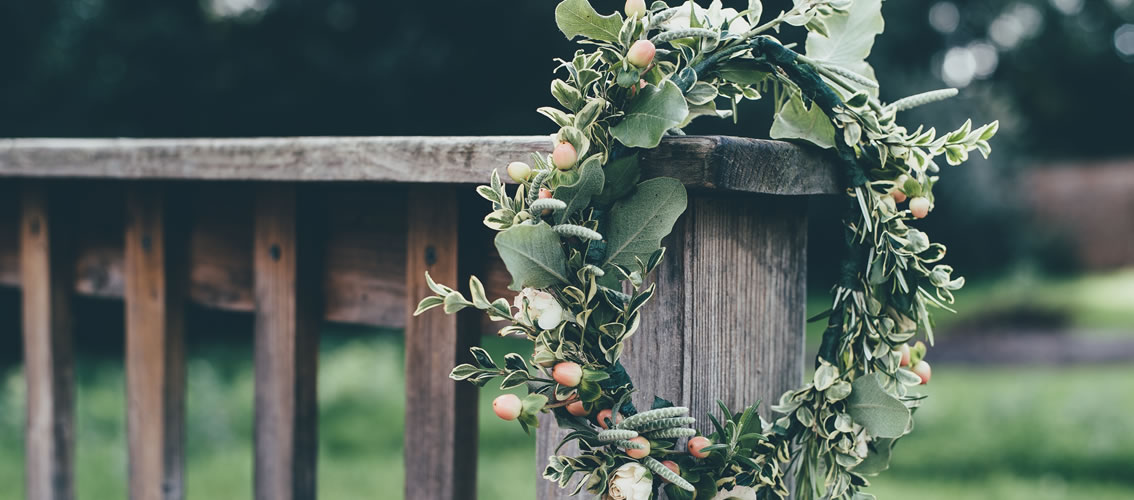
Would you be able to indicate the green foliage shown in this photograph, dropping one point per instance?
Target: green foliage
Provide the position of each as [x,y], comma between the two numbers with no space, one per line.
[796,121]
[578,18]
[872,407]
[650,115]
[533,256]
[639,222]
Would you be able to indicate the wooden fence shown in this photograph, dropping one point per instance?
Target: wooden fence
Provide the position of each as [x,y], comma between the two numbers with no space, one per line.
[304,230]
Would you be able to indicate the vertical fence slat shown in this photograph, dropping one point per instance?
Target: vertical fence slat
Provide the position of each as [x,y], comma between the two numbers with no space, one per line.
[285,262]
[727,321]
[155,353]
[441,425]
[46,277]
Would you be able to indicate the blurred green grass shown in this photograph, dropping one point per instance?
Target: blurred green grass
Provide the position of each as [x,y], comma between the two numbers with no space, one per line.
[985,433]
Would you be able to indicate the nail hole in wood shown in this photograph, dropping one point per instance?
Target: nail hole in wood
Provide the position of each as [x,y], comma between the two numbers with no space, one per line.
[147,243]
[274,251]
[430,255]
[35,226]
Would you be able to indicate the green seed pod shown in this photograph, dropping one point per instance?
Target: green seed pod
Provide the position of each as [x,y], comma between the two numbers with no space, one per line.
[649,416]
[616,435]
[666,423]
[629,445]
[672,433]
[667,474]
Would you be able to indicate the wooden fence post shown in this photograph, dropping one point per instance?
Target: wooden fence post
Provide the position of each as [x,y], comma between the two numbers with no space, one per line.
[288,310]
[727,321]
[156,286]
[441,417]
[46,271]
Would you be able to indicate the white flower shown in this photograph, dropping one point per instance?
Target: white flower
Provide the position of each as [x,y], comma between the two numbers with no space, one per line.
[736,493]
[632,481]
[714,17]
[541,308]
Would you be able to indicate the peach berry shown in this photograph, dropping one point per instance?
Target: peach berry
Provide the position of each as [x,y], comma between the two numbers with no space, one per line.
[507,406]
[919,207]
[519,171]
[636,453]
[604,415]
[905,350]
[898,195]
[697,444]
[641,54]
[922,370]
[564,156]
[567,373]
[635,8]
[671,465]
[577,409]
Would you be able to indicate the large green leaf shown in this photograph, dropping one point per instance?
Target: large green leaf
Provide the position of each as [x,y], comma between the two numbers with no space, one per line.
[649,115]
[533,256]
[881,414]
[796,121]
[879,458]
[850,37]
[578,195]
[638,223]
[578,18]
[621,177]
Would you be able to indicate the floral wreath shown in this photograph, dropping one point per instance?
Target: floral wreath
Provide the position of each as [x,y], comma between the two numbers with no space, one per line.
[574,240]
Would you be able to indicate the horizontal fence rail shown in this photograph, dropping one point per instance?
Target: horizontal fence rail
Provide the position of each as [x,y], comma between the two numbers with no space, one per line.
[304,230]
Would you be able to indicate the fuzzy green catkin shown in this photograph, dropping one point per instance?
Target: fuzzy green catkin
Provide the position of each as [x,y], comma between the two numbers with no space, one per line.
[546,204]
[609,435]
[672,433]
[666,423]
[649,416]
[667,474]
[664,16]
[851,75]
[537,182]
[668,36]
[577,231]
[629,445]
[922,99]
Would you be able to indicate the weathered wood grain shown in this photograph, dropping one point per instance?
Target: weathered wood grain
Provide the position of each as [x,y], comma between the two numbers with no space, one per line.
[441,417]
[714,162]
[285,270]
[155,347]
[728,319]
[45,224]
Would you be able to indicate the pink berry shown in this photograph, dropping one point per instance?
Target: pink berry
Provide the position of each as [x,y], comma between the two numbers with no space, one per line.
[544,193]
[641,54]
[671,465]
[577,409]
[567,374]
[922,370]
[905,350]
[635,8]
[898,195]
[604,415]
[919,207]
[697,444]
[636,453]
[507,406]
[519,171]
[564,156]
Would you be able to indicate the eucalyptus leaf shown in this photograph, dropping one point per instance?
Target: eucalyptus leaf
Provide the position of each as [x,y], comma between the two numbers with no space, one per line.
[639,222]
[533,256]
[578,195]
[655,110]
[796,121]
[620,177]
[578,18]
[872,407]
[849,38]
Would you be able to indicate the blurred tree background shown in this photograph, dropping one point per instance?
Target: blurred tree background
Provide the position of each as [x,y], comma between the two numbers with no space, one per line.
[1057,74]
